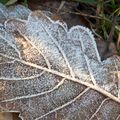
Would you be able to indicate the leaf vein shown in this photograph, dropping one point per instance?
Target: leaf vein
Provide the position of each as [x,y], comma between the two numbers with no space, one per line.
[97,88]
[99,108]
[61,50]
[64,105]
[36,95]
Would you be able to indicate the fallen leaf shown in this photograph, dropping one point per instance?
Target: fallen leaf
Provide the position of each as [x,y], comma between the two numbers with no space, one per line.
[48,72]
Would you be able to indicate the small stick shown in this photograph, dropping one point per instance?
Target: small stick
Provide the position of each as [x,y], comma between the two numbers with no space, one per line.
[86,15]
[110,37]
[111,34]
[61,5]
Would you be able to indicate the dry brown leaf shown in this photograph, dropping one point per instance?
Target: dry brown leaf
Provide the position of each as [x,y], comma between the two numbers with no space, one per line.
[48,72]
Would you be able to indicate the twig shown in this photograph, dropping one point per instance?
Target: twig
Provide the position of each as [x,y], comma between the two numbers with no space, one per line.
[86,15]
[111,34]
[98,11]
[95,32]
[110,37]
[61,5]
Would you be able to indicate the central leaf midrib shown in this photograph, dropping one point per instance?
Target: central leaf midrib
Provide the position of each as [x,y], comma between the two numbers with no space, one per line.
[97,88]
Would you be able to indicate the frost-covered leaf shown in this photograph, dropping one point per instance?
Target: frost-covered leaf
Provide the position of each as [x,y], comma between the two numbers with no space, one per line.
[18,11]
[48,72]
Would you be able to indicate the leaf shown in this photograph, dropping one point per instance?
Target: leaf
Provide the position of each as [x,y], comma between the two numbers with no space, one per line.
[48,72]
[18,11]
[10,2]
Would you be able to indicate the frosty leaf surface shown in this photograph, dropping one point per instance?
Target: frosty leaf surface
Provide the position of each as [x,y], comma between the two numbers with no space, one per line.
[50,72]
